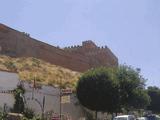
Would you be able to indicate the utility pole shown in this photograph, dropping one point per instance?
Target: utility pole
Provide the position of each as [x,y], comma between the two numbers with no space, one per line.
[43,107]
[60,94]
[33,87]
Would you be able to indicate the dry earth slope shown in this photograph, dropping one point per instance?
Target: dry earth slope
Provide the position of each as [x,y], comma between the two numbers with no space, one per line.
[43,72]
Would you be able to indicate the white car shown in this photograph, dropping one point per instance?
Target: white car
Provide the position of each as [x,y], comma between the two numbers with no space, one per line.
[125,117]
[142,118]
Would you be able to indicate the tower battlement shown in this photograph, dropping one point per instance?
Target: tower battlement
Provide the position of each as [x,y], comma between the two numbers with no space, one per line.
[88,45]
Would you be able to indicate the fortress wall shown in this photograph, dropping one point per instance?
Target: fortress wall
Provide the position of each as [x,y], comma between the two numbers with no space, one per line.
[104,56]
[79,58]
[98,56]
[16,44]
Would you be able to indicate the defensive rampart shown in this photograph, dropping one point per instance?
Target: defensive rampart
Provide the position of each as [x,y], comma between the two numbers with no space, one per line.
[79,58]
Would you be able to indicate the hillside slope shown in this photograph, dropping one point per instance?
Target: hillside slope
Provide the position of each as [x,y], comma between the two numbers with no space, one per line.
[43,72]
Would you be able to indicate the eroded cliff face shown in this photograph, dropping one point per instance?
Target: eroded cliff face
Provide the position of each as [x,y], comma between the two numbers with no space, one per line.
[80,58]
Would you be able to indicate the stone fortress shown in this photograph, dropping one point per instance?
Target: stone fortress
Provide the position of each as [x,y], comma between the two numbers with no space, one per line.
[78,58]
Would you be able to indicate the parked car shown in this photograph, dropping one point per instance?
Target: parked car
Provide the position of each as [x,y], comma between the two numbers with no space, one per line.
[153,117]
[141,118]
[125,117]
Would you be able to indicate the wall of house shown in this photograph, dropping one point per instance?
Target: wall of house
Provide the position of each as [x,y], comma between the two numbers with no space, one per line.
[52,102]
[8,82]
[34,97]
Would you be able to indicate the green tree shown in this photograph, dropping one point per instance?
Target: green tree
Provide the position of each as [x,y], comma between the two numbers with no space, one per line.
[110,89]
[3,116]
[154,93]
[19,102]
[97,90]
[139,99]
[131,88]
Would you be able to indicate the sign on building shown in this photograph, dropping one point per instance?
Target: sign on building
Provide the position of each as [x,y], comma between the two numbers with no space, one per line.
[65,99]
[66,91]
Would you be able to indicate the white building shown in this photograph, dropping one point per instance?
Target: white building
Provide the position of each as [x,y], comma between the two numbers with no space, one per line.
[34,98]
[8,82]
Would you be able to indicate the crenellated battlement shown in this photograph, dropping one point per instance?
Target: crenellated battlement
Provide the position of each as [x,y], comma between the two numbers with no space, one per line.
[87,46]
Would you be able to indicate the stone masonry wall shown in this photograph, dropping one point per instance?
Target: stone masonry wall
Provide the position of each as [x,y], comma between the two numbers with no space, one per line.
[19,44]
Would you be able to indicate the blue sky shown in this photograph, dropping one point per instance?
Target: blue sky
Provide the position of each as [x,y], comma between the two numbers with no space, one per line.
[130,28]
